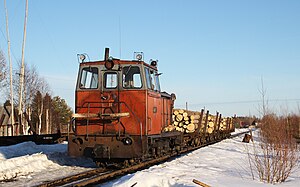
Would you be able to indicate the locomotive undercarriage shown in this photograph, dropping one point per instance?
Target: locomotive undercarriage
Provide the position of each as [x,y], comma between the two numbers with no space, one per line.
[123,151]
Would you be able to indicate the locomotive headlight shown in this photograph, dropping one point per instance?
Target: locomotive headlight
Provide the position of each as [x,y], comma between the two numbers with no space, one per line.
[109,64]
[139,57]
[127,141]
[82,57]
[153,62]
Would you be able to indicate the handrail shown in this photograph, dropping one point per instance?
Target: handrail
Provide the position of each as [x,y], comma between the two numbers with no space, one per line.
[87,123]
[130,110]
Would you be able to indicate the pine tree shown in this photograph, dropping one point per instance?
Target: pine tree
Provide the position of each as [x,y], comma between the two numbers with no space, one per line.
[62,113]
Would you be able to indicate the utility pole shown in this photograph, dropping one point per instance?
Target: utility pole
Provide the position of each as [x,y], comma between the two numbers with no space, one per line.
[10,72]
[22,71]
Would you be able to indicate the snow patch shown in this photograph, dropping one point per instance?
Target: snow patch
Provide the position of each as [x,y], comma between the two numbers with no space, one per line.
[24,165]
[27,148]
[222,164]
[144,179]
[28,161]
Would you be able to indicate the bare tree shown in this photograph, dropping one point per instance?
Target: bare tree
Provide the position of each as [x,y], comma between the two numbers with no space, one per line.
[3,70]
[39,106]
[32,83]
[264,105]
[275,156]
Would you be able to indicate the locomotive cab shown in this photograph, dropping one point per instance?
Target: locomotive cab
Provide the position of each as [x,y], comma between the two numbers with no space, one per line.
[119,106]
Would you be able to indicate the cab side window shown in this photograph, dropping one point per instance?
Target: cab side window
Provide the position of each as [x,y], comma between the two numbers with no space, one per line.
[89,78]
[148,78]
[132,77]
[152,79]
[156,78]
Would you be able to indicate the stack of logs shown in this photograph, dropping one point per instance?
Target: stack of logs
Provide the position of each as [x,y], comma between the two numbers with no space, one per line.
[184,121]
[189,121]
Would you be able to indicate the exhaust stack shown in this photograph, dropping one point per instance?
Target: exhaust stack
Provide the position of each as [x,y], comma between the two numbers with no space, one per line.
[106,55]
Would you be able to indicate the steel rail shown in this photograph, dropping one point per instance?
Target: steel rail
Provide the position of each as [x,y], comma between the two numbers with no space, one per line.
[73,178]
[240,133]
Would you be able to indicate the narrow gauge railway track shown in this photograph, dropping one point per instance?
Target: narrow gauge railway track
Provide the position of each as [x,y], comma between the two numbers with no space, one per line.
[101,175]
[240,133]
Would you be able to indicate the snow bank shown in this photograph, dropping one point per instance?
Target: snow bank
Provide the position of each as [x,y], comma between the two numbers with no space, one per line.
[24,165]
[27,148]
[28,161]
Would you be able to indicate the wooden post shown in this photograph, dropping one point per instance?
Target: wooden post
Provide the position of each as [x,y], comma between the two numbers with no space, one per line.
[200,121]
[22,71]
[219,123]
[10,73]
[216,122]
[205,125]
[227,125]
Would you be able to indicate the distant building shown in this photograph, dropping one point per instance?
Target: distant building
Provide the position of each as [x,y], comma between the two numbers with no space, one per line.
[5,121]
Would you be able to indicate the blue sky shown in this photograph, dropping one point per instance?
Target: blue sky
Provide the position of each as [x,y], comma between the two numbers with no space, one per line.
[213,54]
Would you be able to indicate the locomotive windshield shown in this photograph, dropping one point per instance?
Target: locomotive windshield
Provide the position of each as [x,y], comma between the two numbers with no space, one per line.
[132,77]
[89,78]
[110,80]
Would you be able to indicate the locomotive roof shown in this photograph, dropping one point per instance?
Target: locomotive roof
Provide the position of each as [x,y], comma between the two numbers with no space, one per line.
[119,62]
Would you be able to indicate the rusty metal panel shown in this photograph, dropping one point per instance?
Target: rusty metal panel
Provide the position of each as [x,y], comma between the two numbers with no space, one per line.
[154,112]
[131,101]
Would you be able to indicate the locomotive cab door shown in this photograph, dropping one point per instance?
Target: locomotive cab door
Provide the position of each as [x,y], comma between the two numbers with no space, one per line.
[154,102]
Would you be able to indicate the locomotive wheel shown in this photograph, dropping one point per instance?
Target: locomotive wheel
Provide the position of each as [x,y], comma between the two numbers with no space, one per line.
[178,149]
[101,164]
[196,142]
[126,164]
[158,152]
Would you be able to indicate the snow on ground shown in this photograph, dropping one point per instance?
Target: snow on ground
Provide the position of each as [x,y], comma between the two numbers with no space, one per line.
[221,164]
[27,164]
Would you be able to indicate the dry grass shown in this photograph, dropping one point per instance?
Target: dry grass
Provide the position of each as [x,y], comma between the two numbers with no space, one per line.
[276,155]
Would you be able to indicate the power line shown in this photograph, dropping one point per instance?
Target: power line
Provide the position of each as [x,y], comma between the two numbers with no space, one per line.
[59,79]
[241,102]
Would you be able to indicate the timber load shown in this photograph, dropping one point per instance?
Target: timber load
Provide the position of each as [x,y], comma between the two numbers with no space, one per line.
[192,121]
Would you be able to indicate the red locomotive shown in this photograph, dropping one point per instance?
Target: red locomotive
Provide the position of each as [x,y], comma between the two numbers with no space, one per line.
[121,113]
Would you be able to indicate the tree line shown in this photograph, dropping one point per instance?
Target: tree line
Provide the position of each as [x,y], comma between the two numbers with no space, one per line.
[41,113]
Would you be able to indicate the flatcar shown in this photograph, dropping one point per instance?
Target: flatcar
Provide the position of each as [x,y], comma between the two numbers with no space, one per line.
[121,113]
